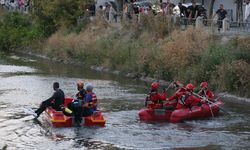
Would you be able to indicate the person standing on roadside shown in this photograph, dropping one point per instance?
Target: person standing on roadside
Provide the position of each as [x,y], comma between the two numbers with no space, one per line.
[247,14]
[222,13]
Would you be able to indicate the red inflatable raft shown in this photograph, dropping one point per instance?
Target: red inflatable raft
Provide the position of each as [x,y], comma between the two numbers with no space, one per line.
[179,115]
[58,119]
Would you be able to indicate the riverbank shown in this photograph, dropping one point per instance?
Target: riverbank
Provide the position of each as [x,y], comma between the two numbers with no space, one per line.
[141,52]
[227,97]
[154,49]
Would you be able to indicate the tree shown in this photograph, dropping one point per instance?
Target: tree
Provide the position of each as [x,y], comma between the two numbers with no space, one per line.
[53,14]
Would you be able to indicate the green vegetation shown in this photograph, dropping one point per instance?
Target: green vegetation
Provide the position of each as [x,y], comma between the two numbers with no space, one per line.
[188,56]
[17,31]
[51,15]
[154,47]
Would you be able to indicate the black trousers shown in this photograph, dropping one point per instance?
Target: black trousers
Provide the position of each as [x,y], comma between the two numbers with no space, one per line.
[46,104]
[78,112]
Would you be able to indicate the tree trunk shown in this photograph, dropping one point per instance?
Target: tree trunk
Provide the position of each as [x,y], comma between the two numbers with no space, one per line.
[210,9]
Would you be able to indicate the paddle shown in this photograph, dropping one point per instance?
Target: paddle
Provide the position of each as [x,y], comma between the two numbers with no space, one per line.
[206,99]
[165,90]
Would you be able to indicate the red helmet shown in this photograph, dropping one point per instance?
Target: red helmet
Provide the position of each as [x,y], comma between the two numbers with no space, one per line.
[154,86]
[178,84]
[204,85]
[190,87]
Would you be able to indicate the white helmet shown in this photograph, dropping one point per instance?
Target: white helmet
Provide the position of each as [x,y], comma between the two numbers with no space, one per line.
[89,87]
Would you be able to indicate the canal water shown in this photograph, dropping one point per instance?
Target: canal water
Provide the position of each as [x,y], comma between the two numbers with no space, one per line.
[26,81]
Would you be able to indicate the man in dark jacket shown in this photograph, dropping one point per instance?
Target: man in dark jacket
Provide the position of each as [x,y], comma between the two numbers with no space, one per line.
[56,101]
[222,13]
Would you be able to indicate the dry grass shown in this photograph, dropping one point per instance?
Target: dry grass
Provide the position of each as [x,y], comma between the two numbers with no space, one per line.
[2,12]
[234,77]
[183,49]
[188,56]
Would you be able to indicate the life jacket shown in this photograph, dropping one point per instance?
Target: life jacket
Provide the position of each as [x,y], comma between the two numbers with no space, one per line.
[173,100]
[208,94]
[91,99]
[181,102]
[81,94]
[156,99]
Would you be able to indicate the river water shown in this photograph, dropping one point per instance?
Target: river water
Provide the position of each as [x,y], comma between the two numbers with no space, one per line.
[25,82]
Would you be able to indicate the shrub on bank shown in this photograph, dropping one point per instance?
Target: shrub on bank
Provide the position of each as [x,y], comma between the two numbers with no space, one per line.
[233,77]
[189,56]
[17,31]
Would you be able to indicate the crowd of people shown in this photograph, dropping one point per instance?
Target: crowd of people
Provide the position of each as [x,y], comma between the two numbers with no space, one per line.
[183,97]
[166,8]
[188,14]
[16,5]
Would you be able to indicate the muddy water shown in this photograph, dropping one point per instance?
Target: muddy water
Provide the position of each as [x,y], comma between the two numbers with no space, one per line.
[25,82]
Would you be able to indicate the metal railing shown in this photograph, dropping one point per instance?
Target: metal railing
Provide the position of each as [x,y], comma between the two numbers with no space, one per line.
[212,25]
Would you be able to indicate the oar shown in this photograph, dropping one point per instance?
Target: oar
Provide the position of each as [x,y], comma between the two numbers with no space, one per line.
[210,102]
[220,97]
[168,86]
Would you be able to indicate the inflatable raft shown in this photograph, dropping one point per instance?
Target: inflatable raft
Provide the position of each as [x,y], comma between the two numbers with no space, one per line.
[58,119]
[180,115]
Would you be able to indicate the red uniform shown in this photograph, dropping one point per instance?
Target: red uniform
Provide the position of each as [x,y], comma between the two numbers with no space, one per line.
[208,94]
[187,100]
[172,101]
[156,97]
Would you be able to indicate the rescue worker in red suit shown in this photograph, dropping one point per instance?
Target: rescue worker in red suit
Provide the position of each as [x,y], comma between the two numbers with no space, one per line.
[155,97]
[205,92]
[172,101]
[187,99]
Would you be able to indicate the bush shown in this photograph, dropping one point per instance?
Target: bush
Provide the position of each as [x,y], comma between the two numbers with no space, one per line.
[51,15]
[241,48]
[233,77]
[17,31]
[181,52]
[189,56]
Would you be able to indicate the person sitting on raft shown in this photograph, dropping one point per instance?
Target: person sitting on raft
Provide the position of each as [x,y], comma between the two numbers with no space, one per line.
[206,92]
[56,101]
[74,108]
[90,101]
[187,99]
[179,86]
[155,97]
[84,105]
[172,101]
[81,91]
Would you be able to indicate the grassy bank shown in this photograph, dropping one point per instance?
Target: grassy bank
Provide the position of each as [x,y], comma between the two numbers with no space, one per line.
[148,49]
[155,47]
